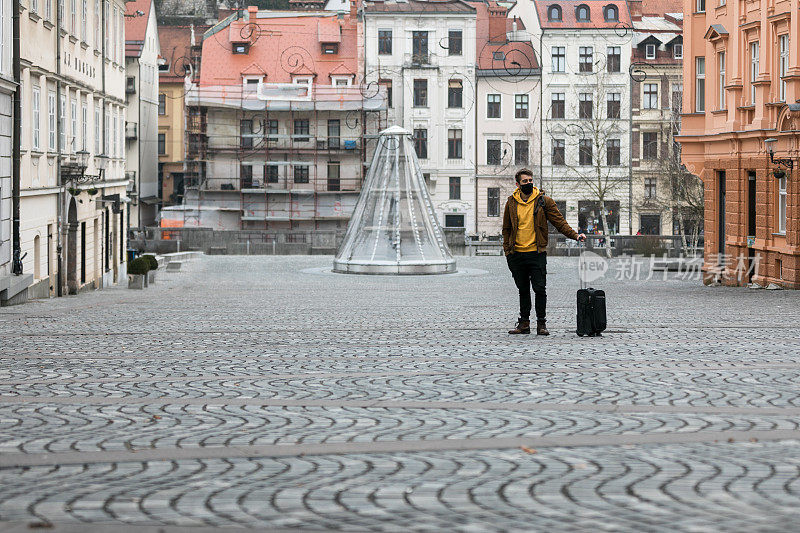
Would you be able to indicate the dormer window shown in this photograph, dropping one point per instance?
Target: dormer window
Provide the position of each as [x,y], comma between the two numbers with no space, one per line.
[611,13]
[498,56]
[582,13]
[241,48]
[330,48]
[554,13]
[250,83]
[650,51]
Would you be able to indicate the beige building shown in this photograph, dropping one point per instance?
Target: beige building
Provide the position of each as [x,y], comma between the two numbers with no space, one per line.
[506,113]
[73,199]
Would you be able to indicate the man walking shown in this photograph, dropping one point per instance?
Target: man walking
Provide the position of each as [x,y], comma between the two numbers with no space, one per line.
[525,244]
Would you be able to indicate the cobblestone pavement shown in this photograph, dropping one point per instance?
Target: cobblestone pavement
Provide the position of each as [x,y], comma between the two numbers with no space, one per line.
[258,392]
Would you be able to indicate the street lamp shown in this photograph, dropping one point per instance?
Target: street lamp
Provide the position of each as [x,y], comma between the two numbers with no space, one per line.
[788,163]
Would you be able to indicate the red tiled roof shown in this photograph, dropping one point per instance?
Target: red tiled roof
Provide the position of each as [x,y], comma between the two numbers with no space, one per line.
[281,46]
[596,17]
[175,44]
[660,7]
[419,6]
[516,55]
[136,26]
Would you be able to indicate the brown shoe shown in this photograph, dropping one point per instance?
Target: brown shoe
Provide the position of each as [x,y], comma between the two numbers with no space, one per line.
[523,328]
[540,328]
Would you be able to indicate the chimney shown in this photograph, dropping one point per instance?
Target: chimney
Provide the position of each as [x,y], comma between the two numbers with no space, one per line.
[635,7]
[497,23]
[353,9]
[252,11]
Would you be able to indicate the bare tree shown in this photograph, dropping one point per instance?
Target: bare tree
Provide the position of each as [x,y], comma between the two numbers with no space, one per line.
[598,135]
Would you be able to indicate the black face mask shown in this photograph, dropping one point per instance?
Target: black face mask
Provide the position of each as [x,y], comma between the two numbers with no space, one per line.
[526,188]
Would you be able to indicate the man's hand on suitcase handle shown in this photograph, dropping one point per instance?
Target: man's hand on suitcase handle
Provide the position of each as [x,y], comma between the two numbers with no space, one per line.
[581,237]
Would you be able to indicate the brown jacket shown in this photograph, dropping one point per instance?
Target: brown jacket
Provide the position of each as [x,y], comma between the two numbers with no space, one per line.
[544,209]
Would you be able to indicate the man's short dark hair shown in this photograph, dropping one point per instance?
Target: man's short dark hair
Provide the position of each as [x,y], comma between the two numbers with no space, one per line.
[523,172]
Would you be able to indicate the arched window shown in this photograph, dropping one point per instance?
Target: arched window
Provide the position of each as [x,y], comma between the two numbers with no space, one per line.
[554,13]
[582,13]
[611,13]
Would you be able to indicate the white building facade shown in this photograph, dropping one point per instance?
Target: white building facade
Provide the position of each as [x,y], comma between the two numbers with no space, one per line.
[585,132]
[424,54]
[141,125]
[73,199]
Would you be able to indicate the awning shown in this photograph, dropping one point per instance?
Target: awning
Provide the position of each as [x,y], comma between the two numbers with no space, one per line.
[150,200]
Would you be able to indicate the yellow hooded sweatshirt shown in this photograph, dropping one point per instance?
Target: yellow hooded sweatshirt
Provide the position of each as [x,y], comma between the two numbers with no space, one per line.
[526,232]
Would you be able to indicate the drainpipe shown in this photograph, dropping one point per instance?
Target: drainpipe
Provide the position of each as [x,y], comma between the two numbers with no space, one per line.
[16,265]
[630,155]
[60,208]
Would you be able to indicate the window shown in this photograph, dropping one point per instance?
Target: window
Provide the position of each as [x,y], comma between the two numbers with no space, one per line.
[557,105]
[753,71]
[782,205]
[493,202]
[554,13]
[650,224]
[582,13]
[783,64]
[97,138]
[83,19]
[613,152]
[34,9]
[454,44]
[271,173]
[301,130]
[334,132]
[700,84]
[334,172]
[420,139]
[271,129]
[246,131]
[492,106]
[241,48]
[162,144]
[499,56]
[721,65]
[677,97]
[73,18]
[677,51]
[385,42]
[301,174]
[558,155]
[649,145]
[387,85]
[585,152]
[162,104]
[330,48]
[84,126]
[494,154]
[454,144]
[614,59]
[420,93]
[246,176]
[585,54]
[650,96]
[62,120]
[650,51]
[610,13]
[455,188]
[613,104]
[650,188]
[251,85]
[559,57]
[520,106]
[454,221]
[701,6]
[419,46]
[455,91]
[585,105]
[521,152]
[35,103]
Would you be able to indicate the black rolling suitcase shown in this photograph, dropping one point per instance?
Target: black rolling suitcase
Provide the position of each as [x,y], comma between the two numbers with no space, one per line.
[591,311]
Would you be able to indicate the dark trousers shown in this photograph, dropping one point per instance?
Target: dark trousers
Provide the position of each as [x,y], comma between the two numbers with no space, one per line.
[529,269]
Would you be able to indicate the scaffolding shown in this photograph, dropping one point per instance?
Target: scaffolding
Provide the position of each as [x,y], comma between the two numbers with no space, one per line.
[276,156]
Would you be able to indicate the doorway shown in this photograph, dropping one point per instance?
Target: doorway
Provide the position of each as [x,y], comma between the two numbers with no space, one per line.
[72,248]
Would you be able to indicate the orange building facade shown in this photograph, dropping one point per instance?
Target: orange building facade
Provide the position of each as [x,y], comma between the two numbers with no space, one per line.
[741,101]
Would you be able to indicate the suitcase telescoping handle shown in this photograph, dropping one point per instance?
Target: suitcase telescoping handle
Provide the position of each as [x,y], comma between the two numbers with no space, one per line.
[581,247]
